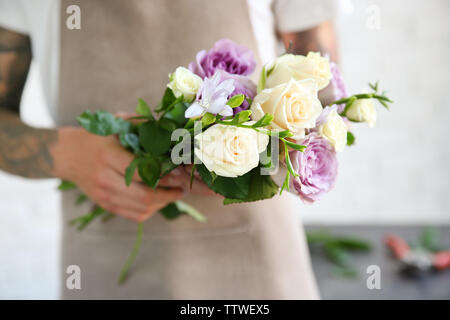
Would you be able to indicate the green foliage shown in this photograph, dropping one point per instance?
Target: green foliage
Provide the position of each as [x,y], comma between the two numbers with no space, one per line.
[167,166]
[83,221]
[337,250]
[143,109]
[350,138]
[82,198]
[261,187]
[263,122]
[241,117]
[208,119]
[294,146]
[129,171]
[103,123]
[66,185]
[234,188]
[167,100]
[149,170]
[130,141]
[176,114]
[429,239]
[171,211]
[236,101]
[154,139]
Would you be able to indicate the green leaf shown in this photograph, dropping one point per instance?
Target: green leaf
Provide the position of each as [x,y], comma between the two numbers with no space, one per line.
[295,146]
[349,104]
[263,77]
[176,114]
[234,188]
[286,181]
[374,87]
[129,171]
[130,141]
[154,139]
[261,187]
[167,100]
[66,185]
[103,123]
[190,211]
[264,121]
[143,109]
[351,243]
[83,221]
[82,198]
[150,171]
[347,272]
[284,134]
[207,119]
[241,117]
[336,255]
[236,100]
[167,124]
[171,211]
[350,138]
[167,166]
[262,80]
[288,160]
[429,239]
[383,103]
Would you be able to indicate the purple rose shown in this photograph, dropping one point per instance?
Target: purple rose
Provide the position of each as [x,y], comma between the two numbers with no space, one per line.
[242,85]
[317,167]
[224,55]
[336,89]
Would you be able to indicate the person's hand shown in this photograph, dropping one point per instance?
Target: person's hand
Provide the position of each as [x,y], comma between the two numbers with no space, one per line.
[97,165]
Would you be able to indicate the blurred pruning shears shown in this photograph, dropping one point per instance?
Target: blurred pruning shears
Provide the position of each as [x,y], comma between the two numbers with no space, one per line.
[417,259]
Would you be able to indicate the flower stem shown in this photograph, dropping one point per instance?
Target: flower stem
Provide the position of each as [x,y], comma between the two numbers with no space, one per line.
[132,257]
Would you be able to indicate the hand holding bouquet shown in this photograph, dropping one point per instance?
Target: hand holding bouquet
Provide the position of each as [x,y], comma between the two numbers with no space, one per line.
[235,134]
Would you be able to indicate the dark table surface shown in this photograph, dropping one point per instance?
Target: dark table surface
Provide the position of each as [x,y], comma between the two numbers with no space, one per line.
[394,284]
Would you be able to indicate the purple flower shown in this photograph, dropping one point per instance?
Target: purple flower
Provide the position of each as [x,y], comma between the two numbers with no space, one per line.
[336,89]
[212,97]
[242,85]
[317,167]
[224,55]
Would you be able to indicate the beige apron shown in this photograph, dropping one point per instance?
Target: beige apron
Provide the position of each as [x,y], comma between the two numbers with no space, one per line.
[125,50]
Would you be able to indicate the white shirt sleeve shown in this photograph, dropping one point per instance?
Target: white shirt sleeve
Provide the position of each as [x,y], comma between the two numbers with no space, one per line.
[13,16]
[299,15]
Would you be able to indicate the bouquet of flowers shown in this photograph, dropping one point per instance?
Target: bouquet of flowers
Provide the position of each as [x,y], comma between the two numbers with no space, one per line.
[235,134]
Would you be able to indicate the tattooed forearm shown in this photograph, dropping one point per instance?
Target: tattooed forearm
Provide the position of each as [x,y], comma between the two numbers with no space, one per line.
[318,39]
[24,150]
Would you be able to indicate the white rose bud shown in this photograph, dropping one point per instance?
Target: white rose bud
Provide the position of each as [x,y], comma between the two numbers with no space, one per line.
[362,110]
[184,82]
[334,130]
[230,151]
[288,66]
[294,106]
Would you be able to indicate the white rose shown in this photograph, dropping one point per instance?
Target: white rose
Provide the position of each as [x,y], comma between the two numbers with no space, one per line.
[362,110]
[334,130]
[288,66]
[294,106]
[184,82]
[230,151]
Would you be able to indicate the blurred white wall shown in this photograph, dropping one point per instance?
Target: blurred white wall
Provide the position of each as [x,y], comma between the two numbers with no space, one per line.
[398,172]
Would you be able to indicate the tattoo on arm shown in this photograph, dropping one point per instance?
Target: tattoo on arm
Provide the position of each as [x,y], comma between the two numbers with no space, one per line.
[24,150]
[318,39]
